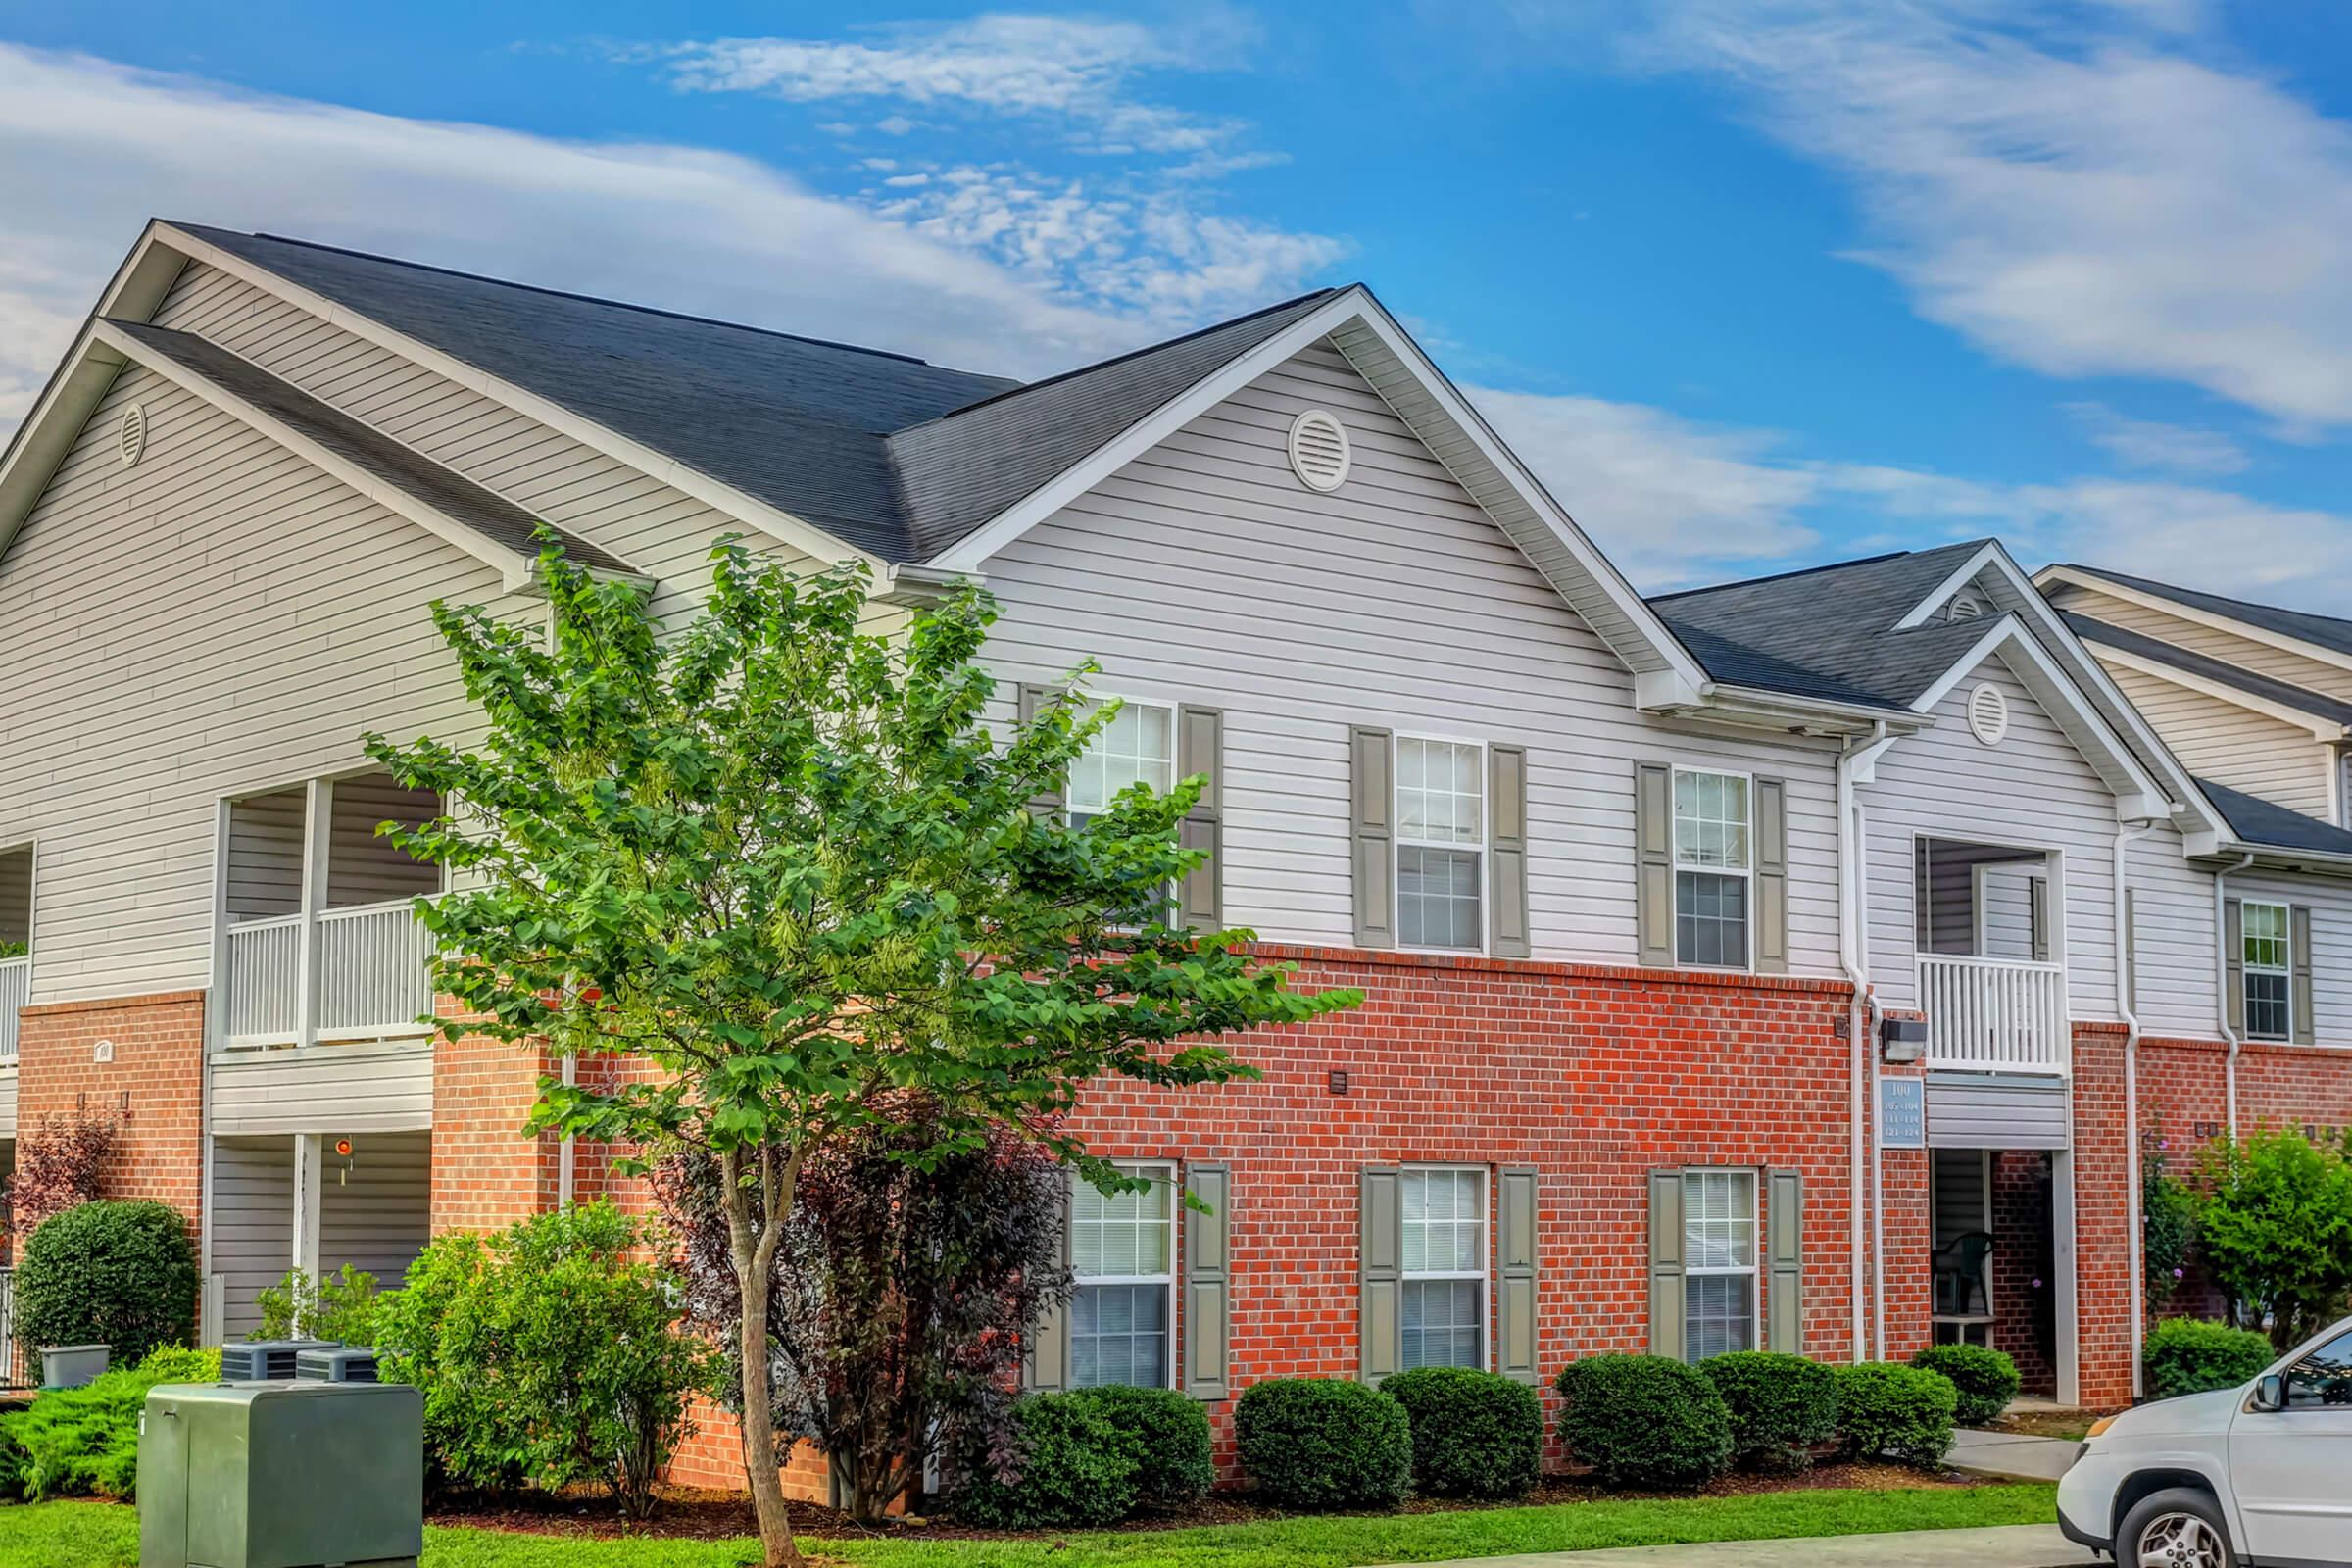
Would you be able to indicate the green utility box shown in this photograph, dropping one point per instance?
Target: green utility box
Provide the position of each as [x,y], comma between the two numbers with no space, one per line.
[282,1475]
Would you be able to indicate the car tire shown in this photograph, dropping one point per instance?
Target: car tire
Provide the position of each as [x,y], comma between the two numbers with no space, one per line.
[2180,1527]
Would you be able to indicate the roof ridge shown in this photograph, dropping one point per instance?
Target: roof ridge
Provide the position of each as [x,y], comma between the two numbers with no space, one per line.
[1782,576]
[585,299]
[2173,588]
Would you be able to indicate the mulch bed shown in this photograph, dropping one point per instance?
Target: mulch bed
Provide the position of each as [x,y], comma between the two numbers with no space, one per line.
[2066,1424]
[699,1515]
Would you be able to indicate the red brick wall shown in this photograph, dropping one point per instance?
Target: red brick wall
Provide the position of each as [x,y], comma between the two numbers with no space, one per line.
[486,1174]
[157,1063]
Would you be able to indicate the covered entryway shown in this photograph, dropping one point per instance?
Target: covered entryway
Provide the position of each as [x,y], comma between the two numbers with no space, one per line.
[313,1201]
[1994,1272]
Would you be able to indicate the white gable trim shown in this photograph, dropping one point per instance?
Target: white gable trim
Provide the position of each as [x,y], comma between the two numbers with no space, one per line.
[2322,728]
[1455,434]
[2193,612]
[782,525]
[1920,614]
[2137,794]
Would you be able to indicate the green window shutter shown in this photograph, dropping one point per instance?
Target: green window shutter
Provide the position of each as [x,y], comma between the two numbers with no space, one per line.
[1209,1282]
[2038,891]
[1785,1247]
[1200,749]
[1515,1336]
[1653,863]
[1507,842]
[1666,1263]
[1045,1369]
[1772,876]
[2131,948]
[2298,923]
[1034,701]
[2234,964]
[1373,755]
[1380,1272]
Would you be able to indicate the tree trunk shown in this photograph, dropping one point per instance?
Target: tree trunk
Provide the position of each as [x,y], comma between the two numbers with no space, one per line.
[753,1257]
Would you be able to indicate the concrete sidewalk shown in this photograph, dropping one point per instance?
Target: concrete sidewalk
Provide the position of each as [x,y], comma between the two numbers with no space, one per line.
[2010,1455]
[2007,1547]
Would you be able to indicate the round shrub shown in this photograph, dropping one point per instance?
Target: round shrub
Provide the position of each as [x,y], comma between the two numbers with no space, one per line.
[1783,1407]
[116,1274]
[1903,1412]
[1321,1442]
[2186,1355]
[1645,1421]
[1072,1465]
[1173,1464]
[1985,1379]
[1475,1433]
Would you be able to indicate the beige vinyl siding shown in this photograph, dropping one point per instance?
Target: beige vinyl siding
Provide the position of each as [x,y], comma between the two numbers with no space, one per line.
[2032,791]
[376,1208]
[653,525]
[218,619]
[2177,939]
[2279,663]
[2234,745]
[1203,572]
[350,1088]
[8,1104]
[251,1224]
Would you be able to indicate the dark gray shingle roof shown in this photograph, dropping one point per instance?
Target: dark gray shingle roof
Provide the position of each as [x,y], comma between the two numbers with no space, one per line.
[446,491]
[1827,632]
[2253,820]
[2326,631]
[2300,698]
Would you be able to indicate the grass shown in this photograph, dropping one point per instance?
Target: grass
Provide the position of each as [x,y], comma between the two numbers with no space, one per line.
[89,1535]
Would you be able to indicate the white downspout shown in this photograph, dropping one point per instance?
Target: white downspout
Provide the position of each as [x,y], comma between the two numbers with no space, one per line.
[564,1157]
[2220,989]
[1862,1013]
[2125,978]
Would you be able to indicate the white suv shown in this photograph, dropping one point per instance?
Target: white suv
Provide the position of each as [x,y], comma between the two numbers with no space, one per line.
[2261,1473]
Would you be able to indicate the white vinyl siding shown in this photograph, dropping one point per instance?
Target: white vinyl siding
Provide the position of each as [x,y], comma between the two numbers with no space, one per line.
[251,1224]
[2330,901]
[357,1087]
[2234,745]
[1205,568]
[2035,791]
[2279,664]
[375,1207]
[2176,940]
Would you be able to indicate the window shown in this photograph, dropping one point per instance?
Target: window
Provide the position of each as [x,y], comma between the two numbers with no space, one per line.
[2269,968]
[1719,1262]
[1123,1252]
[1441,841]
[1137,747]
[2322,1379]
[1444,1305]
[1712,863]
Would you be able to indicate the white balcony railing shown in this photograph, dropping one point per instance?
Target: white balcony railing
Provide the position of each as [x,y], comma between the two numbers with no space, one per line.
[366,967]
[16,985]
[1991,1015]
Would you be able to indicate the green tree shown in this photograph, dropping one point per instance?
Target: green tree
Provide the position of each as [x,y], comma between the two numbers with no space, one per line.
[779,854]
[2275,1230]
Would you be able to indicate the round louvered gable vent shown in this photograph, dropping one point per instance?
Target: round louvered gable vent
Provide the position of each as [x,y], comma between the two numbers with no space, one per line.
[1967,608]
[130,438]
[1987,714]
[1319,451]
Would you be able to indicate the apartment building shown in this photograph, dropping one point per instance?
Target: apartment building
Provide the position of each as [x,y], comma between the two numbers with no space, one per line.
[1787,963]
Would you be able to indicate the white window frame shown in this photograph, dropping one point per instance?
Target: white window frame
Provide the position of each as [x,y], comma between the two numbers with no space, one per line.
[1482,1274]
[1754,1269]
[1155,1170]
[1483,848]
[2248,968]
[1091,701]
[1745,873]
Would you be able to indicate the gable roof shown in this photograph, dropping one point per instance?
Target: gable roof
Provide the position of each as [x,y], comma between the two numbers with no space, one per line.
[375,457]
[2219,671]
[2323,631]
[2259,824]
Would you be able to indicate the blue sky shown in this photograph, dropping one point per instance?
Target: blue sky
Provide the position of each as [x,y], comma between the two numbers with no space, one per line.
[1752,282]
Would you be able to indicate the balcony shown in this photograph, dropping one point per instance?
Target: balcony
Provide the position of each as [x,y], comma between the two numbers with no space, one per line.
[16,984]
[1995,1015]
[1990,947]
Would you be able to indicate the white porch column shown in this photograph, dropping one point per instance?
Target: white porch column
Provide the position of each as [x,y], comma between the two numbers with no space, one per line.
[319,812]
[310,1149]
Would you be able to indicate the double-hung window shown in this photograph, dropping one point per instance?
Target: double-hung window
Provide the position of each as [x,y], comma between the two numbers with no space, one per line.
[1712,865]
[1123,1253]
[1719,1262]
[1137,745]
[2270,970]
[1443,1307]
[1440,843]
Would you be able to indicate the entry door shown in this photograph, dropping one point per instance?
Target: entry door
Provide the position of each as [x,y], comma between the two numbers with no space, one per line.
[2289,1467]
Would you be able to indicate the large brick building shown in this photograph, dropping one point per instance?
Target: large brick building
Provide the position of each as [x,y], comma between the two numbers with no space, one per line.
[1786,963]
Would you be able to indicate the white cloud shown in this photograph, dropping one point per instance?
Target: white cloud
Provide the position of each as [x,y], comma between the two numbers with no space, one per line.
[2082,193]
[2154,444]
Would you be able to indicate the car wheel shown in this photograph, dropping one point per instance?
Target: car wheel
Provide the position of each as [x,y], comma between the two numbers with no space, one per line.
[2176,1528]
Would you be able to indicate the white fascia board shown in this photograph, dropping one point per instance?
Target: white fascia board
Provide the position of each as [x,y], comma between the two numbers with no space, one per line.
[2031,663]
[1758,703]
[516,569]
[2324,730]
[794,531]
[1917,614]
[2195,613]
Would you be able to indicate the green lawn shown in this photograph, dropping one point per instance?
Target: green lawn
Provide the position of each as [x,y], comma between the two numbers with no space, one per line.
[83,1535]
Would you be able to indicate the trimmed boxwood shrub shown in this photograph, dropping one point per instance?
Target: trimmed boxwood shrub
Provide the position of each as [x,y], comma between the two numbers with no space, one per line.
[1475,1433]
[1901,1412]
[1985,1379]
[1072,1465]
[1645,1421]
[118,1274]
[1322,1442]
[2188,1356]
[1783,1407]
[1173,1464]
